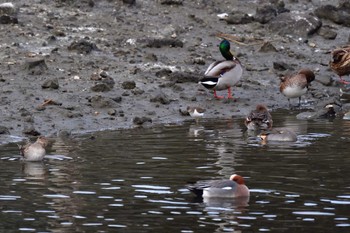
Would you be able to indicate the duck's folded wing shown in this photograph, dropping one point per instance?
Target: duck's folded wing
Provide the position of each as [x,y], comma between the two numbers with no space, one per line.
[218,68]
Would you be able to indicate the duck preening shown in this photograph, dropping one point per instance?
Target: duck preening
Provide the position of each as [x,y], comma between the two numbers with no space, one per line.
[34,151]
[224,74]
[259,119]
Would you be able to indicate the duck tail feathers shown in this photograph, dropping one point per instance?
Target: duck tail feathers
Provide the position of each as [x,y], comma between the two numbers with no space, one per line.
[209,82]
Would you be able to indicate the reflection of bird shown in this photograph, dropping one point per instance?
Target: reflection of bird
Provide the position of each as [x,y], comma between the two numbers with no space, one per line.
[340,62]
[294,86]
[278,135]
[34,151]
[196,112]
[234,187]
[224,74]
[259,119]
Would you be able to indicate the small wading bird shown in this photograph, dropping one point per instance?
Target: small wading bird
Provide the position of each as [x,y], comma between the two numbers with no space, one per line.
[234,187]
[224,74]
[259,119]
[196,112]
[340,62]
[296,85]
[34,151]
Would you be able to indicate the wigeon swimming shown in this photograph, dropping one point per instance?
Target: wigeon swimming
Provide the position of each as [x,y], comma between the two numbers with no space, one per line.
[278,135]
[296,85]
[222,75]
[340,62]
[34,151]
[234,187]
[259,119]
[196,112]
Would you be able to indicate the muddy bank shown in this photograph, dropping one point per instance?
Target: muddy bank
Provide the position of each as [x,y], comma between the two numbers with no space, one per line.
[82,66]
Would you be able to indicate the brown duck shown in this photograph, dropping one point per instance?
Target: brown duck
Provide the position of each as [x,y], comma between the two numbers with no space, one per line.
[340,62]
[34,151]
[296,85]
[259,119]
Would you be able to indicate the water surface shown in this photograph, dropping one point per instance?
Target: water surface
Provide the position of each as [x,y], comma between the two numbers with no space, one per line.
[135,180]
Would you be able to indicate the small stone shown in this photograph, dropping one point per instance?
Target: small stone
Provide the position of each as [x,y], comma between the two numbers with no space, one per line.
[171,2]
[112,112]
[24,112]
[101,102]
[267,47]
[238,17]
[8,13]
[281,66]
[141,120]
[294,24]
[161,98]
[100,87]
[265,13]
[36,66]
[117,99]
[150,57]
[130,2]
[128,85]
[8,8]
[325,80]
[40,108]
[4,130]
[82,46]
[158,43]
[30,130]
[51,83]
[327,33]
[138,91]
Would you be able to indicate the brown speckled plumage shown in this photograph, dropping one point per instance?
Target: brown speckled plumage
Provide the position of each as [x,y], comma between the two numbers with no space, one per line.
[340,62]
[260,118]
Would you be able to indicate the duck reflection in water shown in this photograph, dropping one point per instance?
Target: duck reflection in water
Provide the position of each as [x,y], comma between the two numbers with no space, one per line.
[34,169]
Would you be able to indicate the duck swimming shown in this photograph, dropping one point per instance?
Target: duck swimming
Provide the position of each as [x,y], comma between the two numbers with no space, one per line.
[223,74]
[34,151]
[234,187]
[259,119]
[296,85]
[278,135]
[340,62]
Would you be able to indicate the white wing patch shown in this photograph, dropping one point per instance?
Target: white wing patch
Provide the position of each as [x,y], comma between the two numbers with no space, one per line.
[209,83]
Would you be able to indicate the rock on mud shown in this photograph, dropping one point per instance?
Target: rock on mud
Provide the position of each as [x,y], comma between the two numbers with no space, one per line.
[296,25]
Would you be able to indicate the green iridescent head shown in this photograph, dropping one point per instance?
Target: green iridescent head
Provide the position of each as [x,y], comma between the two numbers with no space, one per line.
[225,49]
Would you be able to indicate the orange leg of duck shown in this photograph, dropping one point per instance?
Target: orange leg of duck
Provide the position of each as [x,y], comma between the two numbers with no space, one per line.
[229,96]
[343,81]
[217,96]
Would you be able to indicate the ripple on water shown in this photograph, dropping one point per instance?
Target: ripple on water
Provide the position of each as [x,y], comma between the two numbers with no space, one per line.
[313,213]
[152,189]
[8,198]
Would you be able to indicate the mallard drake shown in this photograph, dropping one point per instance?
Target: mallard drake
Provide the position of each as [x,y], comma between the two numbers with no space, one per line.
[259,119]
[34,151]
[278,135]
[196,112]
[296,85]
[234,187]
[340,62]
[224,74]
